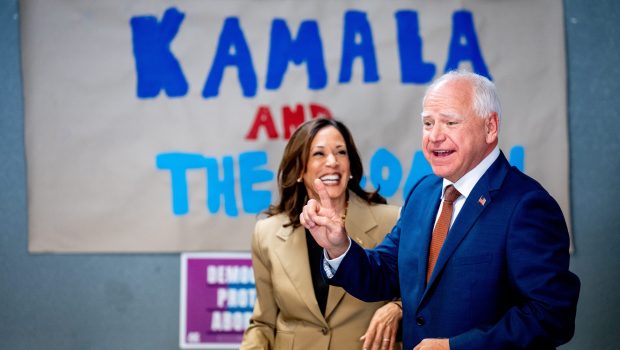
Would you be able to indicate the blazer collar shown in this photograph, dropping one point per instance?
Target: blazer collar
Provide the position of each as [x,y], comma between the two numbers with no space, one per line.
[360,221]
[293,254]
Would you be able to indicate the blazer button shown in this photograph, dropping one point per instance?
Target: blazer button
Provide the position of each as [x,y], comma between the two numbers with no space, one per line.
[420,321]
[324,331]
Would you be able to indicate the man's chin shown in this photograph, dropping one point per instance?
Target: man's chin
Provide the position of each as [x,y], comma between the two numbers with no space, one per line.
[441,171]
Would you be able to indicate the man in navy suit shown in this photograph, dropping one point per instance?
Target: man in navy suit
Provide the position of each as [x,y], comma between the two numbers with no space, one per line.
[501,278]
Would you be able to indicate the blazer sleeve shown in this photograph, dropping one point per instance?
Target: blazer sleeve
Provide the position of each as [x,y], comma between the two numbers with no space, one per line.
[260,334]
[538,271]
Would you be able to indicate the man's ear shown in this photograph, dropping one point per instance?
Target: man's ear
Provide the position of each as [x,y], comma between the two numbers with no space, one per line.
[491,127]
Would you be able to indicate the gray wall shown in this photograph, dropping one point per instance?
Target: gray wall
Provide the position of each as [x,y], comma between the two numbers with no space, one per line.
[132,301]
[593,44]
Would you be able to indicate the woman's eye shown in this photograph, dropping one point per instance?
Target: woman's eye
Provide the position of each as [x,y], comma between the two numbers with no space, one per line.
[342,153]
[318,154]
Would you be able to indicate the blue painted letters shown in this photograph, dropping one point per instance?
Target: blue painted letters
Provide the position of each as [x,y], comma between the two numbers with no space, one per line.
[385,160]
[358,42]
[464,44]
[250,173]
[218,187]
[232,51]
[307,48]
[413,69]
[156,67]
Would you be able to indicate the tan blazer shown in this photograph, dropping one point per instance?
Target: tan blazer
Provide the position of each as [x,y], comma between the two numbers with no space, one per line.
[286,314]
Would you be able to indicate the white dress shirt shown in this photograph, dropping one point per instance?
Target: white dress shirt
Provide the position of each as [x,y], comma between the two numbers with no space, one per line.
[466,184]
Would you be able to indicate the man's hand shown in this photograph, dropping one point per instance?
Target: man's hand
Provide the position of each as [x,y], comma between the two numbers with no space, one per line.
[321,219]
[433,344]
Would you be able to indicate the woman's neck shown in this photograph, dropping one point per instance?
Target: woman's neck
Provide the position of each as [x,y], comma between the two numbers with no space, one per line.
[341,206]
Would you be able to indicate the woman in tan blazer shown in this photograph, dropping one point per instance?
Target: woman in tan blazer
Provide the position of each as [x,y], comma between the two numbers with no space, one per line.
[295,308]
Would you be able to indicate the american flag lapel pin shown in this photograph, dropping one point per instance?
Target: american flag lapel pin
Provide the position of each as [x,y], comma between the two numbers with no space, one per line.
[482,200]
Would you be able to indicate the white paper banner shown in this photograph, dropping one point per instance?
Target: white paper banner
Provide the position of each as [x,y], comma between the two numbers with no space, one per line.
[158,126]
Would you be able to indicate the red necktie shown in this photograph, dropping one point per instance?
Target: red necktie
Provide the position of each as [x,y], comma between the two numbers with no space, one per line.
[441,228]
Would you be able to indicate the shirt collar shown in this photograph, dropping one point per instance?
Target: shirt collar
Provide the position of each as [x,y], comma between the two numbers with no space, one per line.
[467,182]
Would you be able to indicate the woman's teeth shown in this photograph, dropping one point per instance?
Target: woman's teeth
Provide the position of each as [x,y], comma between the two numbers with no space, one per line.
[330,179]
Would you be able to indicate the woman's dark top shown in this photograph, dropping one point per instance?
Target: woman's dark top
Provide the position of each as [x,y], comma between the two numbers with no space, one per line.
[321,288]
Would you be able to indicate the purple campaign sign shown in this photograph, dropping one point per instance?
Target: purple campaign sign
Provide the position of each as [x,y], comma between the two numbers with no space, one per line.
[217,299]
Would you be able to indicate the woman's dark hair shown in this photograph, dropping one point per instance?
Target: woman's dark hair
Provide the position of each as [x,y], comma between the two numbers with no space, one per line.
[293,195]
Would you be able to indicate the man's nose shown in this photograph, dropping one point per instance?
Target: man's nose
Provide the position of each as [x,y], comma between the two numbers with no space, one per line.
[436,134]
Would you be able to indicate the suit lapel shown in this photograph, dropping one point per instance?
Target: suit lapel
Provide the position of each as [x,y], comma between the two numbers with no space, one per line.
[359,222]
[467,217]
[478,200]
[428,217]
[293,255]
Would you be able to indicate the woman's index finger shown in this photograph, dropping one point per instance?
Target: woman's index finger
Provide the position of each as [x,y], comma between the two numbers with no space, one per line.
[326,202]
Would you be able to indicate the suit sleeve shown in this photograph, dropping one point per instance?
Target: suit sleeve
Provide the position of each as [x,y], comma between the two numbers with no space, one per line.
[372,274]
[546,292]
[260,334]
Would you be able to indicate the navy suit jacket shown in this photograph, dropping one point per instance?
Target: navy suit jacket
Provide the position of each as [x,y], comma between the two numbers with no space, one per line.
[502,278]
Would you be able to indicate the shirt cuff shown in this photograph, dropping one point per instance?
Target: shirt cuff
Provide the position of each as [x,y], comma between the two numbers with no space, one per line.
[331,265]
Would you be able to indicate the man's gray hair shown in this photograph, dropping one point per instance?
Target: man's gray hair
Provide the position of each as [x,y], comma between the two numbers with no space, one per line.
[485,96]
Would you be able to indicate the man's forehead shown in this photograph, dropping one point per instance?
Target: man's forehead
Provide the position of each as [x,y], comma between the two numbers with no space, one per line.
[442,105]
[447,114]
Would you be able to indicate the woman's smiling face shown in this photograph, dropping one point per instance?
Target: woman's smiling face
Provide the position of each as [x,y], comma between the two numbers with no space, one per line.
[328,160]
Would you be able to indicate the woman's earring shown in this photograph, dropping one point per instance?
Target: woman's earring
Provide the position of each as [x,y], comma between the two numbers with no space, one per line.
[299,179]
[350,177]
